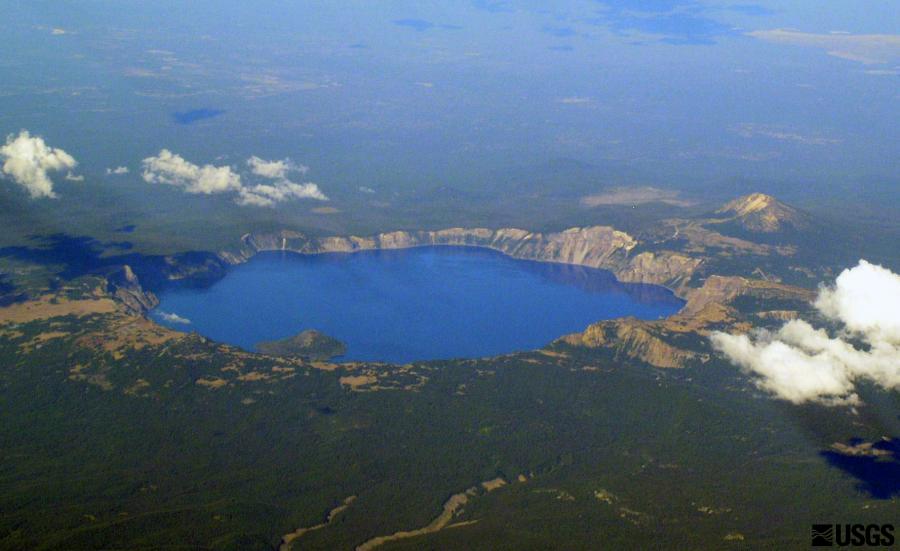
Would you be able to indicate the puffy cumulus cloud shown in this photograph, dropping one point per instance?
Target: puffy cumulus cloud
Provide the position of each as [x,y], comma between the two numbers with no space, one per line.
[274,169]
[862,48]
[281,189]
[117,171]
[266,195]
[27,160]
[171,169]
[867,299]
[800,363]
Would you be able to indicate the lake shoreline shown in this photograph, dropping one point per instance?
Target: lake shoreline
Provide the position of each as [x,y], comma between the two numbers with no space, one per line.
[464,293]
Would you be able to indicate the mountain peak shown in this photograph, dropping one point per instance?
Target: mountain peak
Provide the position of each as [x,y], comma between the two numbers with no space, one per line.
[763,213]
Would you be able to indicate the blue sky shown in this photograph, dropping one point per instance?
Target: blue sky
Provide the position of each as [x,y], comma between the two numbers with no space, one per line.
[409,94]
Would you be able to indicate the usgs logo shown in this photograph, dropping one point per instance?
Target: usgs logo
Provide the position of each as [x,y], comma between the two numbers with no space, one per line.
[844,535]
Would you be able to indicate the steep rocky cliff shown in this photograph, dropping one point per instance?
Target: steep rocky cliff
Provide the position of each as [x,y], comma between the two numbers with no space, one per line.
[723,290]
[633,339]
[124,286]
[713,306]
[595,247]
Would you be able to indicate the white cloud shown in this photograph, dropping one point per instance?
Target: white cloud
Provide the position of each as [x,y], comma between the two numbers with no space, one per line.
[867,300]
[274,169]
[173,318]
[118,170]
[800,364]
[72,177]
[282,189]
[27,160]
[171,169]
[365,189]
[862,48]
[266,195]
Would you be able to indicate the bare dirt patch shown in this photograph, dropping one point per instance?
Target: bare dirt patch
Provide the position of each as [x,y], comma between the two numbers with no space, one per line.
[491,485]
[287,541]
[212,383]
[356,381]
[253,376]
[49,306]
[452,508]
[635,196]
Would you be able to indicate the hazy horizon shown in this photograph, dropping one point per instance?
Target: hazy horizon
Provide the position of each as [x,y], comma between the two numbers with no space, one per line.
[414,95]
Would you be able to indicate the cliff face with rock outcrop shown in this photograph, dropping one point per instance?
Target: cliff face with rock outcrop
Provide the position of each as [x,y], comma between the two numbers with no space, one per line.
[633,339]
[596,247]
[711,307]
[724,289]
[124,286]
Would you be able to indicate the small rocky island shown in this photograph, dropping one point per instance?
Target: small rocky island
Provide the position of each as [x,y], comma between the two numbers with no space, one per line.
[310,344]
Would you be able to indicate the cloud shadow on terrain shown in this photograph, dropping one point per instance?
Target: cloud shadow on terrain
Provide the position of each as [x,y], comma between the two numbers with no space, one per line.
[878,470]
[76,256]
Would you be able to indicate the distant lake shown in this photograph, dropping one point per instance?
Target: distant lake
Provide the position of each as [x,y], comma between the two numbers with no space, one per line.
[412,304]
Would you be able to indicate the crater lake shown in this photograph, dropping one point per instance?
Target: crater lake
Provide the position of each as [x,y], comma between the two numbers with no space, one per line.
[410,304]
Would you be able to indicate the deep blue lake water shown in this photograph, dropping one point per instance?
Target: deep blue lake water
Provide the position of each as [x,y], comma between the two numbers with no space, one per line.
[413,304]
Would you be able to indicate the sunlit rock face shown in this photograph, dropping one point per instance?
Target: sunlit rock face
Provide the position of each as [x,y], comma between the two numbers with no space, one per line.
[759,212]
